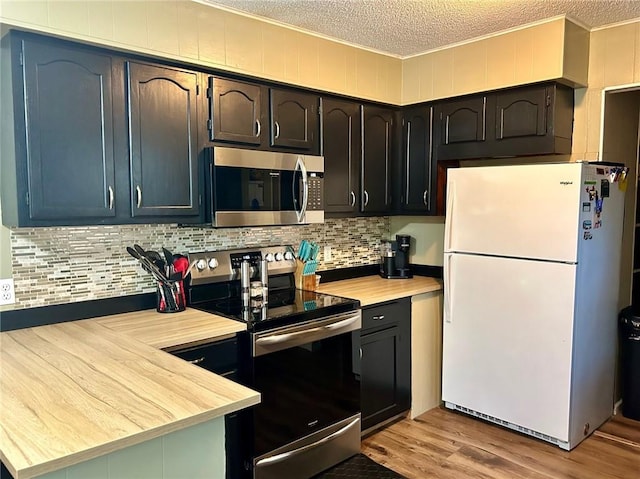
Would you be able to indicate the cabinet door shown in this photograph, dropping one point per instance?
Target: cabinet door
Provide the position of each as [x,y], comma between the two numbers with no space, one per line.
[341,151]
[294,120]
[521,113]
[162,132]
[235,111]
[462,128]
[377,126]
[416,175]
[69,132]
[533,120]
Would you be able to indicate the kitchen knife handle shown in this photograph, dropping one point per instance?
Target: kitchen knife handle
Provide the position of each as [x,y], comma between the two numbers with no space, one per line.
[139,196]
[110,198]
[258,128]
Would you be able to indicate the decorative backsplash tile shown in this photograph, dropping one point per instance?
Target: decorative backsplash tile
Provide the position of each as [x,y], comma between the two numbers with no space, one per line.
[68,264]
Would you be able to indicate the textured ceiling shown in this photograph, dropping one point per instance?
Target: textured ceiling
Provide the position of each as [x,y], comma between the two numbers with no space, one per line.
[409,27]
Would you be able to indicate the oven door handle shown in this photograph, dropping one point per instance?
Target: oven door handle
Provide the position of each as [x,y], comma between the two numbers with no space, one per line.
[300,166]
[295,452]
[280,338]
[341,324]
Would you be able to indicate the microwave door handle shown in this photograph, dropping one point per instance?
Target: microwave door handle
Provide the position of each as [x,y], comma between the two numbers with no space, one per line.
[305,188]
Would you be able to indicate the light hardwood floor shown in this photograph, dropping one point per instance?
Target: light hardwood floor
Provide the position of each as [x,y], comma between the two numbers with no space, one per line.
[442,444]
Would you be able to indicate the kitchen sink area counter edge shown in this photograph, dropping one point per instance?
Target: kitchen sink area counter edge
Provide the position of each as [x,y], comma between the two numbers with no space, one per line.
[75,391]
[374,289]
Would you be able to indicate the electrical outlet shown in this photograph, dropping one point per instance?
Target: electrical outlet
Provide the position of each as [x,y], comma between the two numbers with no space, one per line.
[327,254]
[7,293]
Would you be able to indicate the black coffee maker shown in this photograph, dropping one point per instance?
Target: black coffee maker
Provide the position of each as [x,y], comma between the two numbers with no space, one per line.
[395,258]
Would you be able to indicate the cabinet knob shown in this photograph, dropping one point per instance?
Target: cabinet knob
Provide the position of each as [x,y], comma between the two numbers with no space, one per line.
[139,195]
[110,198]
[366,198]
[424,197]
[258,128]
[353,199]
[277,130]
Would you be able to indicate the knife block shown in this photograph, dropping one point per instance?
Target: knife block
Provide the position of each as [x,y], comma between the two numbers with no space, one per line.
[304,281]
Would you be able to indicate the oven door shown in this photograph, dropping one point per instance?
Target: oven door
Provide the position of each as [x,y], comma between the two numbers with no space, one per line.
[309,379]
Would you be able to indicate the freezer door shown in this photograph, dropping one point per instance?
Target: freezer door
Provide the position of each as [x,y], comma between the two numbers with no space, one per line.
[521,211]
[507,339]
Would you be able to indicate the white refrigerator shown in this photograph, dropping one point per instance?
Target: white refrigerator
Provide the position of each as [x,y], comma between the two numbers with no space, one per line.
[531,274]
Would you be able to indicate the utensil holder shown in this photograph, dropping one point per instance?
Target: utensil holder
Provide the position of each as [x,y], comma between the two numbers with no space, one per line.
[171,297]
[304,281]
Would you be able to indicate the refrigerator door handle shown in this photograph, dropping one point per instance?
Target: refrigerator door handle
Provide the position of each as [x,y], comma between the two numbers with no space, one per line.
[447,288]
[448,226]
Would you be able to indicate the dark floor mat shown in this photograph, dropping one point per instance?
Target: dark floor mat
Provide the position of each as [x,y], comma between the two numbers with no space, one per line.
[359,467]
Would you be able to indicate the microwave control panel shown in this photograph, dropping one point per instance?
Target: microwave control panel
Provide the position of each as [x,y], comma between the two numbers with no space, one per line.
[316,195]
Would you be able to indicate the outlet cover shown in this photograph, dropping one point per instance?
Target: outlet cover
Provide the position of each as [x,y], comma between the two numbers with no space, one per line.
[7,293]
[327,254]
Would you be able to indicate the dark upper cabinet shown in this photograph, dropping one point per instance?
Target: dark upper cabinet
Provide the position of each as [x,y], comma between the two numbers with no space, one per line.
[377,136]
[534,120]
[461,131]
[415,176]
[523,121]
[162,112]
[385,346]
[294,120]
[341,151]
[65,132]
[236,112]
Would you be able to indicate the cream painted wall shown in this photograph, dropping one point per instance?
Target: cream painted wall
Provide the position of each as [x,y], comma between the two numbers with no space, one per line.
[620,144]
[427,245]
[550,50]
[204,35]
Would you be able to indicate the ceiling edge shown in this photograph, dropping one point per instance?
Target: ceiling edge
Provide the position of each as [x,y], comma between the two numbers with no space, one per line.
[297,29]
[617,24]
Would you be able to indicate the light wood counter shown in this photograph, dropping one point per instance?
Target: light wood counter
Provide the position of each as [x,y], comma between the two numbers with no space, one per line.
[374,289]
[172,330]
[78,390]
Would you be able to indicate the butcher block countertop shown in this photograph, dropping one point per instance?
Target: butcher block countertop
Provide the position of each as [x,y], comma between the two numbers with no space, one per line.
[374,289]
[74,391]
[172,330]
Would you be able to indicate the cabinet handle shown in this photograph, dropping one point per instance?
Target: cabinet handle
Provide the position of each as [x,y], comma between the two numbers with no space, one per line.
[110,198]
[258,128]
[139,196]
[353,199]
[424,197]
[366,198]
[277,130]
[406,201]
[378,318]
[360,353]
[196,361]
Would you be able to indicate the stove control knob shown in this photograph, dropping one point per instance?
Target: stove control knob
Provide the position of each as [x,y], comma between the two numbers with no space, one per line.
[213,263]
[288,256]
[201,264]
[279,256]
[269,257]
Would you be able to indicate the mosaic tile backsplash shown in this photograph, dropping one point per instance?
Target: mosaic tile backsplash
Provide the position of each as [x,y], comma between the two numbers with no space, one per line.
[69,264]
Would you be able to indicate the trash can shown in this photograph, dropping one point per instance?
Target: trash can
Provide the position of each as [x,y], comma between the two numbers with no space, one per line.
[630,361]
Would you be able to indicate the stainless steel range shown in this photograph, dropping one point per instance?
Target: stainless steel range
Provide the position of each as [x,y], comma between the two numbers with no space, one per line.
[300,351]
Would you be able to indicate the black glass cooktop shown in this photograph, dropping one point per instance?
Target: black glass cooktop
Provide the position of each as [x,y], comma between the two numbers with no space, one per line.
[282,308]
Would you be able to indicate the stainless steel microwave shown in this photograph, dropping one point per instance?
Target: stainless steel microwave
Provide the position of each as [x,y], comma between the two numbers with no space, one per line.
[263,188]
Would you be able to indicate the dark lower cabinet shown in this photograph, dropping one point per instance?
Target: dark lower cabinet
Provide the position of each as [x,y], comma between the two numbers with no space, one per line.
[341,151]
[221,357]
[385,346]
[162,113]
[64,133]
